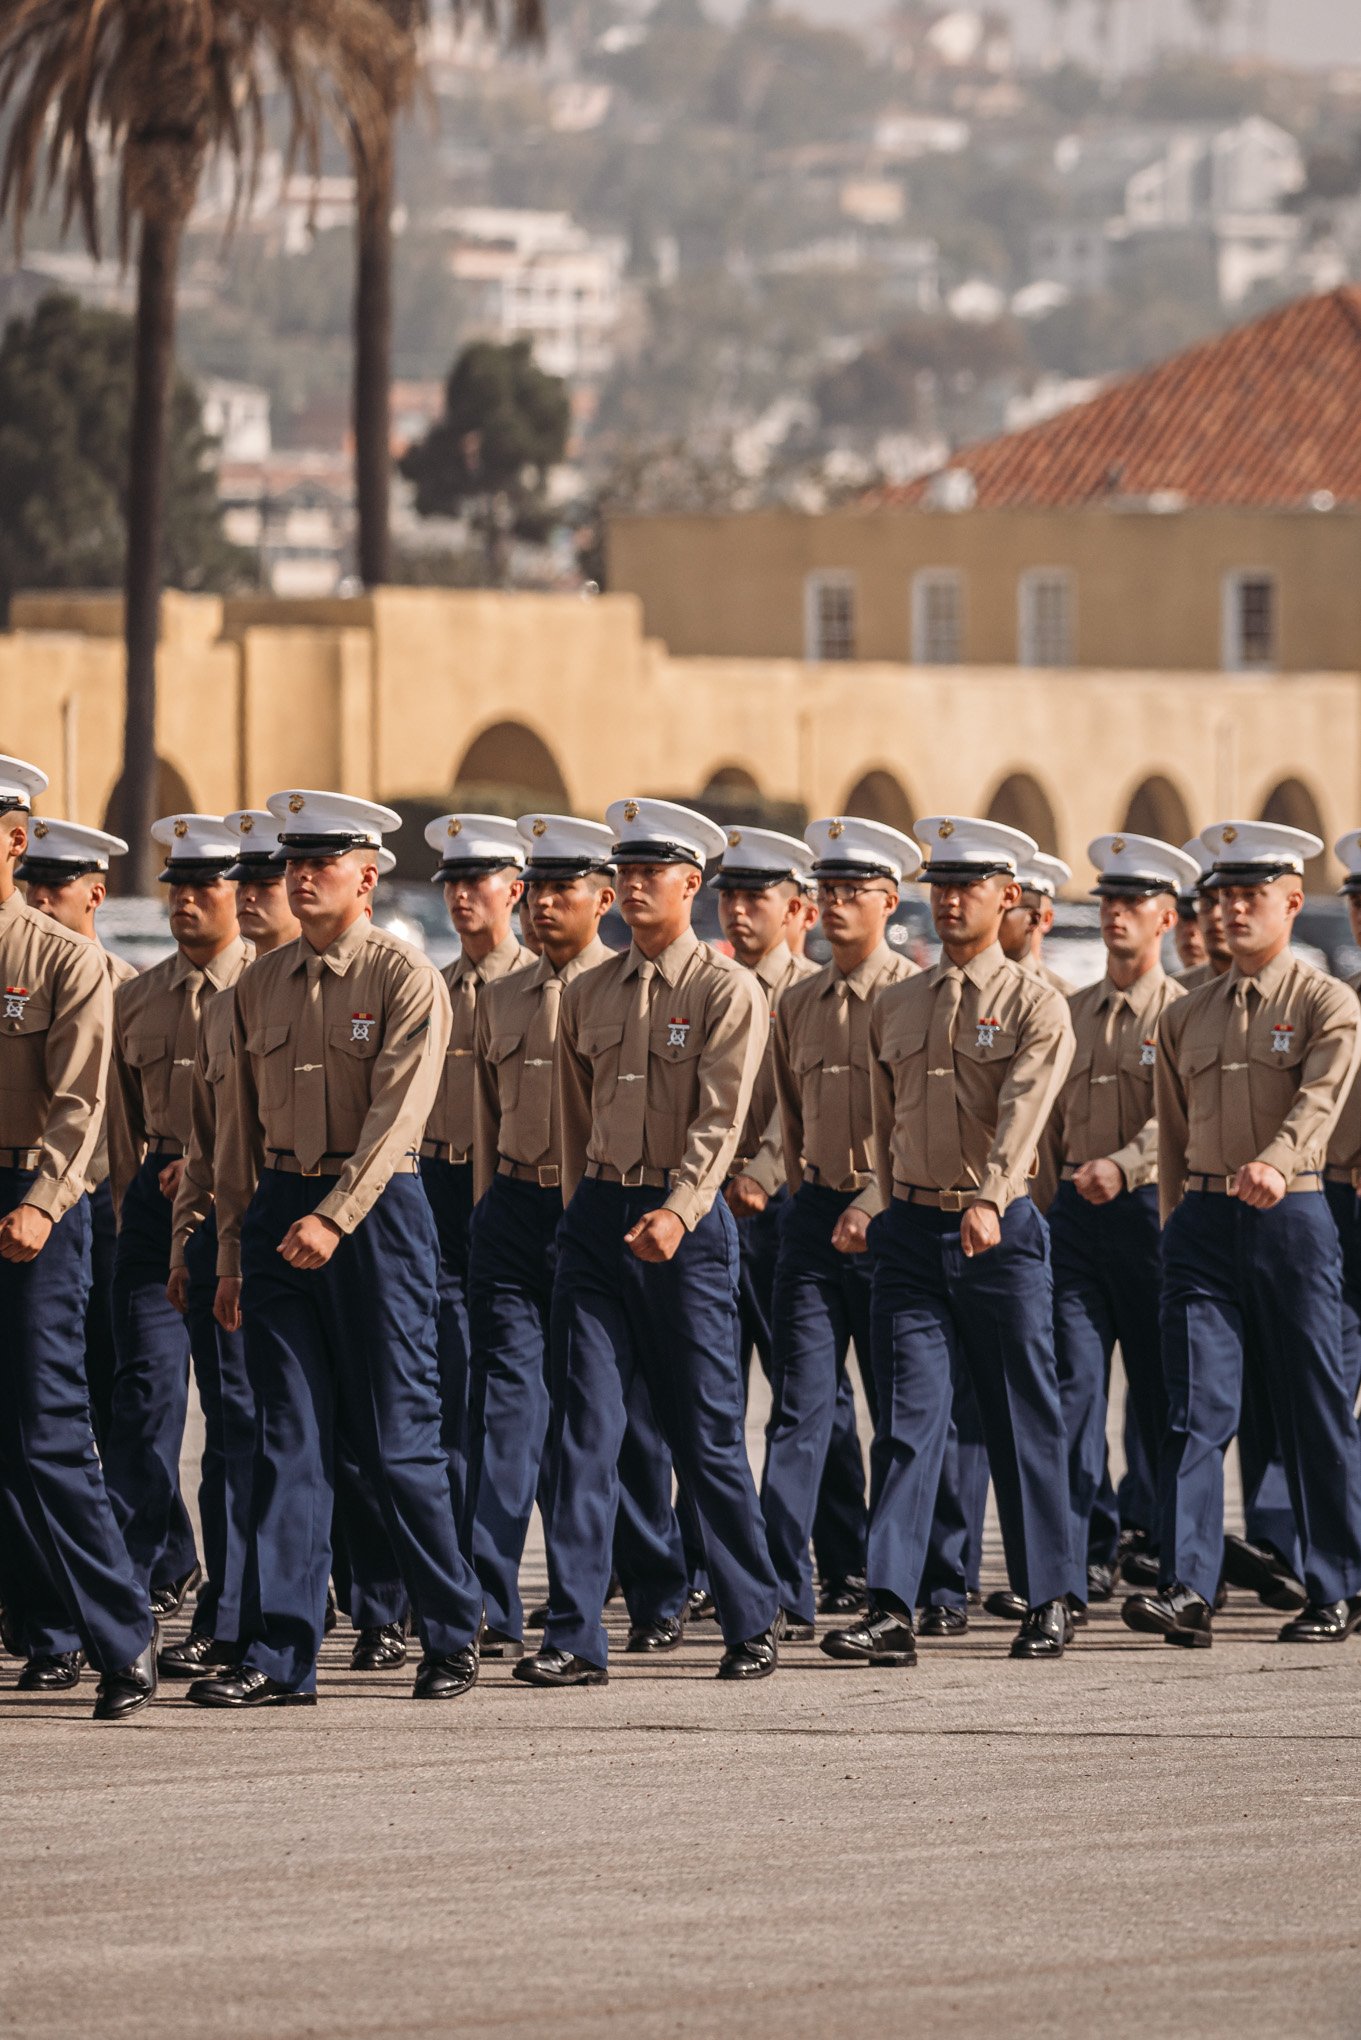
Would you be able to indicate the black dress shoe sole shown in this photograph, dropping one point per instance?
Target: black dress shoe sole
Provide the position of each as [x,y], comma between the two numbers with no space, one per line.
[1251,1574]
[370,1662]
[450,1692]
[653,1646]
[1319,1635]
[48,1683]
[795,1630]
[928,1627]
[886,1659]
[245,1706]
[1035,1648]
[1005,1607]
[747,1672]
[1189,1639]
[501,1647]
[596,1676]
[125,1709]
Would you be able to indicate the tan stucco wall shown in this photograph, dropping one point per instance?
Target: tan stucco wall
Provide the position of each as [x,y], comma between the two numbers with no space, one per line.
[1148,588]
[384,696]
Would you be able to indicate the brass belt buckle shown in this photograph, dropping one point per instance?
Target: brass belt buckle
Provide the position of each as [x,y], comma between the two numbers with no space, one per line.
[310,1172]
[952,1200]
[550,1176]
[632,1179]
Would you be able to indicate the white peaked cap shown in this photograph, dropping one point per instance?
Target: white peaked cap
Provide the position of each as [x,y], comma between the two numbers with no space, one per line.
[475,843]
[565,844]
[1045,874]
[1135,864]
[312,823]
[55,842]
[1347,850]
[661,832]
[846,845]
[963,844]
[756,858]
[201,843]
[1247,853]
[20,784]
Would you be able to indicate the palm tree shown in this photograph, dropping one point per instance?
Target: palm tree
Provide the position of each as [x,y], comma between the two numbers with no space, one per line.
[161,85]
[375,169]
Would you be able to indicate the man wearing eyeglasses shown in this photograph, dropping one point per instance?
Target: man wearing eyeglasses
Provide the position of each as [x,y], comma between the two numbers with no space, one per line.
[822,1284]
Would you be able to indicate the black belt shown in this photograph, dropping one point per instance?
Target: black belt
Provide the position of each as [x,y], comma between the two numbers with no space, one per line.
[161,1149]
[444,1151]
[547,1175]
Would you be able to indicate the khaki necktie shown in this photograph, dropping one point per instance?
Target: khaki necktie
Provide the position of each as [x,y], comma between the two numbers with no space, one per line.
[180,1101]
[535,1109]
[630,1110]
[461,1050]
[836,1140]
[309,1090]
[1105,1080]
[944,1157]
[1235,1086]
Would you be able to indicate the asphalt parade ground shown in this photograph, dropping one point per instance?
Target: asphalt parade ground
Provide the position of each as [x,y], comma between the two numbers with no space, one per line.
[1137,1840]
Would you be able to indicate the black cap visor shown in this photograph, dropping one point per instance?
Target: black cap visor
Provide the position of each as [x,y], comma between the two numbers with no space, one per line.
[1132,888]
[656,853]
[196,870]
[937,873]
[454,869]
[556,870]
[733,878]
[1246,874]
[294,848]
[56,870]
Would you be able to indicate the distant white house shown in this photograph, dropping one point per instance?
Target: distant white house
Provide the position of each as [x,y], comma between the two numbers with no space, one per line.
[236,415]
[541,276]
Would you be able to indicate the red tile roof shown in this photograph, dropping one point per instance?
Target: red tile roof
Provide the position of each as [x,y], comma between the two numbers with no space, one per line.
[1262,417]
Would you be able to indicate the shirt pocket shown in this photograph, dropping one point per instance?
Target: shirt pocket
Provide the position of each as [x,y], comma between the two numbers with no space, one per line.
[812,1074]
[985,1045]
[149,1055]
[1202,1067]
[1076,1100]
[267,1048]
[216,1067]
[904,1056]
[363,1044]
[1275,1072]
[501,1054]
[22,1067]
[599,1044]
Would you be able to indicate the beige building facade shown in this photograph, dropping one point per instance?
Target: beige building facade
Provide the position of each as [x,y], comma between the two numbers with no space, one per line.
[407,695]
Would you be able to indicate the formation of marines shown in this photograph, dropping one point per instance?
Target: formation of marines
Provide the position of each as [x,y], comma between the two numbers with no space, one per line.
[439,1247]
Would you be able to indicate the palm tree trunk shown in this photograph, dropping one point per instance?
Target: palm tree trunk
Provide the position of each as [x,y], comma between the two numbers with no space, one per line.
[153,368]
[373,363]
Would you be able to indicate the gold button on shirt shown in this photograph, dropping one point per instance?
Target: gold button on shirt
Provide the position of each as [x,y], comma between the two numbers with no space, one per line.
[517,1035]
[155,1040]
[1253,1070]
[453,1120]
[56,1025]
[760,1150]
[384,1028]
[1344,1145]
[707,1026]
[1105,1110]
[194,1198]
[986,1099]
[822,1072]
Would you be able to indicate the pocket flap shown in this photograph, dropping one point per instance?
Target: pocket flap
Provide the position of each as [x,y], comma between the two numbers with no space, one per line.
[903,1042]
[265,1040]
[502,1045]
[31,1018]
[595,1039]
[354,1039]
[1201,1056]
[141,1050]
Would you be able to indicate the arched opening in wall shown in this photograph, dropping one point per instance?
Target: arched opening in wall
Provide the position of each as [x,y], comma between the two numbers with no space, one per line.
[733,781]
[880,797]
[1291,803]
[732,797]
[1020,802]
[1157,809]
[507,770]
[173,797]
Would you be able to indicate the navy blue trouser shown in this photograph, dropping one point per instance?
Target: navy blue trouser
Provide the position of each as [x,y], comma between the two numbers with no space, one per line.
[1264,1286]
[510,1295]
[1345,1206]
[228,1443]
[368,1580]
[356,1336]
[839,1518]
[150,1388]
[59,1528]
[933,1308]
[1106,1274]
[954,1550]
[675,1323]
[821,1306]
[100,1355]
[449,1187]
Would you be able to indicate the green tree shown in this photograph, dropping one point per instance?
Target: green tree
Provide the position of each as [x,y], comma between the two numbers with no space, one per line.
[505,425]
[158,86]
[65,411]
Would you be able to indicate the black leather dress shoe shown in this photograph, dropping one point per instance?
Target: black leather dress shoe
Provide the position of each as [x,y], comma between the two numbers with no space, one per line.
[559,1668]
[756,1658]
[883,1637]
[378,1649]
[537,1618]
[169,1599]
[943,1622]
[1006,1606]
[650,1639]
[1077,1612]
[842,1597]
[1259,1569]
[446,1678]
[495,1643]
[699,1605]
[1046,1631]
[243,1686]
[56,1672]
[195,1655]
[1317,1624]
[10,1642]
[1174,1613]
[1100,1581]
[127,1692]
[1137,1559]
[793,1628]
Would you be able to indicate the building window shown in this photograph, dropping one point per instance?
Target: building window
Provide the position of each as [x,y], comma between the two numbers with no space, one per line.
[1250,622]
[1046,617]
[937,617]
[829,617]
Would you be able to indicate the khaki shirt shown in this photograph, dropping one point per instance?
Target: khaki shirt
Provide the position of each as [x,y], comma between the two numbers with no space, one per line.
[1344,1148]
[517,1036]
[1277,1099]
[453,1121]
[822,1073]
[155,1040]
[760,1151]
[1105,1110]
[1037,967]
[1199,974]
[120,973]
[56,1024]
[212,1064]
[1012,1045]
[707,1032]
[385,1023]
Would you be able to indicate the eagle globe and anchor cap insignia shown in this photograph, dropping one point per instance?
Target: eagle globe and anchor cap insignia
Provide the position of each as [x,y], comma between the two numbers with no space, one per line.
[1117,845]
[455,827]
[540,827]
[837,829]
[181,827]
[40,830]
[734,838]
[1229,834]
[945,831]
[246,824]
[630,810]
